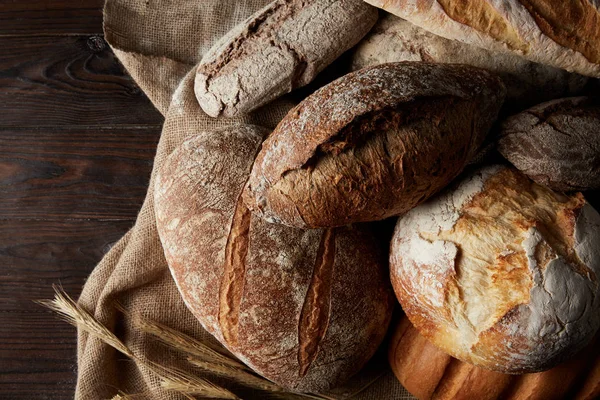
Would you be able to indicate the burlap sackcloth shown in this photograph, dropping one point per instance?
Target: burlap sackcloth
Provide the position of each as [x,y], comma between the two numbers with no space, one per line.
[159,42]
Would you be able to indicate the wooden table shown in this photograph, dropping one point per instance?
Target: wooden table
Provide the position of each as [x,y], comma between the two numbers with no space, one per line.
[77,139]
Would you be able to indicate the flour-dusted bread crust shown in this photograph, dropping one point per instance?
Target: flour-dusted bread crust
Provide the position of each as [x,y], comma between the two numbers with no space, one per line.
[393,39]
[373,144]
[564,34]
[557,143]
[500,271]
[430,374]
[304,308]
[280,48]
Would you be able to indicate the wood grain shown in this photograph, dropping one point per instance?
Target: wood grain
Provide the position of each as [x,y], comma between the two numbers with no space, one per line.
[74,80]
[37,350]
[58,173]
[45,17]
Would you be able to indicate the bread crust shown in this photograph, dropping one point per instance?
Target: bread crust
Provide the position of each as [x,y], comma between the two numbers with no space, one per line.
[393,39]
[501,272]
[304,308]
[564,34]
[430,374]
[280,48]
[556,143]
[373,144]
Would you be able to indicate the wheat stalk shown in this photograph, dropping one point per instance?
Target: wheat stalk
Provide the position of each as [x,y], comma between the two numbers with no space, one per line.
[171,379]
[182,342]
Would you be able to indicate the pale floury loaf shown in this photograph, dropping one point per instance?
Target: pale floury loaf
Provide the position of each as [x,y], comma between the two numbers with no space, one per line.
[373,144]
[280,48]
[501,272]
[304,308]
[564,34]
[394,39]
[556,143]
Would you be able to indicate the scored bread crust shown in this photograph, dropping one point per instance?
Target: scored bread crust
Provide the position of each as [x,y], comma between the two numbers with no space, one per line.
[373,144]
[304,308]
[393,39]
[556,143]
[564,34]
[500,272]
[278,49]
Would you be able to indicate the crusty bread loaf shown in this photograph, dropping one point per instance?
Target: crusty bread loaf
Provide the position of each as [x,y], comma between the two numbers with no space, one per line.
[557,143]
[430,374]
[304,308]
[564,34]
[281,47]
[501,272]
[393,39]
[373,144]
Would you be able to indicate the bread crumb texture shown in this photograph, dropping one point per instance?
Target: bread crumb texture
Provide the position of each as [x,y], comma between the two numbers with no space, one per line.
[500,271]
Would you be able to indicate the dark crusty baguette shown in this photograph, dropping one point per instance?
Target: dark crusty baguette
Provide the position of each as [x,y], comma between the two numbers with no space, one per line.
[373,144]
[304,308]
[557,143]
[281,47]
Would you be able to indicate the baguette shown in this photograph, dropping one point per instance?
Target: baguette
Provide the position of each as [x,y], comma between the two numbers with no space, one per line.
[393,39]
[280,48]
[564,34]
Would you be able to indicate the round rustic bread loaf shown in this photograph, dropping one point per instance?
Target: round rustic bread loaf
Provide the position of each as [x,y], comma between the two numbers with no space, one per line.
[430,374]
[373,144]
[500,271]
[304,308]
[393,39]
[557,143]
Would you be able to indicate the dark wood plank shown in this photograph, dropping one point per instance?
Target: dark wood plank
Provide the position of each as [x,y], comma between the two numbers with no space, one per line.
[51,173]
[37,350]
[38,17]
[74,80]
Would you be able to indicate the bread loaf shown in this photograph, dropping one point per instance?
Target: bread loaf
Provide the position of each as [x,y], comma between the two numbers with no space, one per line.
[281,47]
[373,144]
[564,34]
[430,374]
[304,308]
[501,272]
[557,143]
[393,39]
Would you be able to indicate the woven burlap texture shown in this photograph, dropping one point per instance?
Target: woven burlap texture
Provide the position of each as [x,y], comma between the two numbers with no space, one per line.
[159,42]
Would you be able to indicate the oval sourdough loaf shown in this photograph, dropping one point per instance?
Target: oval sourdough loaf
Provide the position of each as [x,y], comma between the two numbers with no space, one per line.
[501,272]
[393,39]
[373,144]
[564,34]
[556,143]
[304,308]
[430,374]
[281,47]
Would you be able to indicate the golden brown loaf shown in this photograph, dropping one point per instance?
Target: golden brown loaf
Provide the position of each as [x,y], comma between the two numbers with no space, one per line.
[280,48]
[373,144]
[501,272]
[430,374]
[561,33]
[304,308]
[557,143]
[393,39]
